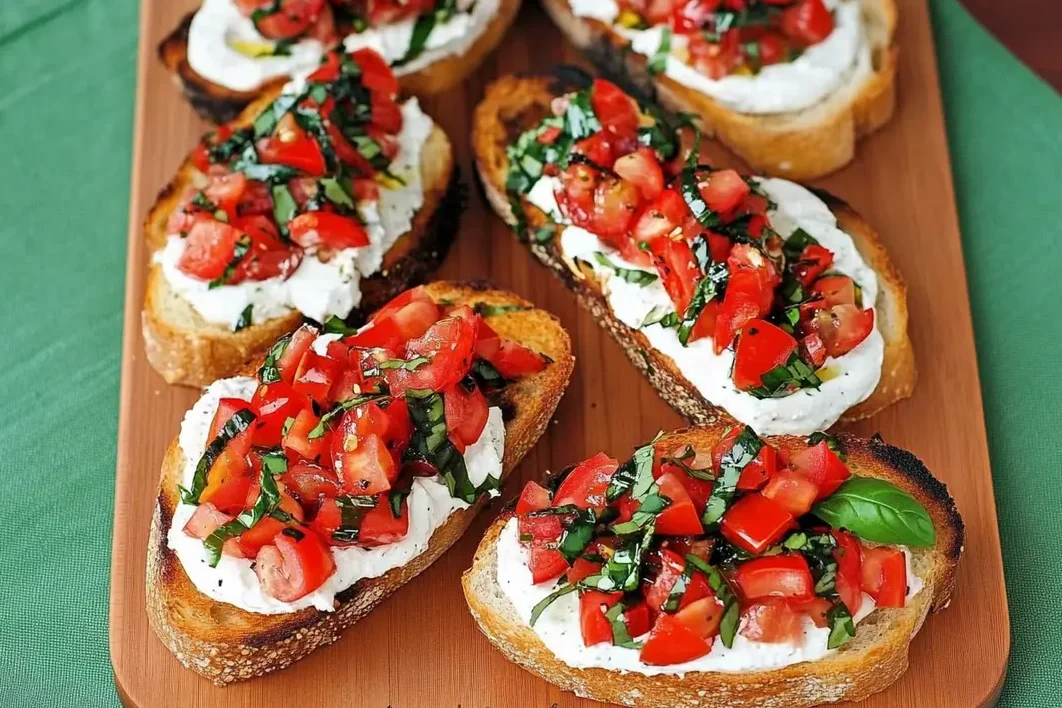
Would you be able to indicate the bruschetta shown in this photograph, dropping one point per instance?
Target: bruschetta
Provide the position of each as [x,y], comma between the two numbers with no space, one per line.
[789,85]
[229,52]
[748,298]
[301,493]
[324,199]
[715,568]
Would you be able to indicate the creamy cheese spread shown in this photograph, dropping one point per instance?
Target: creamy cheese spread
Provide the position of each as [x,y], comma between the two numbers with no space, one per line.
[317,288]
[233,579]
[847,380]
[218,30]
[558,626]
[818,72]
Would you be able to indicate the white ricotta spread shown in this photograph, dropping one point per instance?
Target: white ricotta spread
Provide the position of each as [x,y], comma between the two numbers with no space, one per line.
[218,30]
[558,626]
[317,288]
[847,380]
[233,579]
[790,86]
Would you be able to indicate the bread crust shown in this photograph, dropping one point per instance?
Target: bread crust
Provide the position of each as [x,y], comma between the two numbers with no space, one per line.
[225,643]
[220,105]
[860,668]
[514,104]
[798,145]
[186,349]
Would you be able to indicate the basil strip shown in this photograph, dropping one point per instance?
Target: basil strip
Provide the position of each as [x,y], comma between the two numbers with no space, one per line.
[708,288]
[335,325]
[621,636]
[269,373]
[728,624]
[545,602]
[411,365]
[674,598]
[631,275]
[661,315]
[878,511]
[395,498]
[658,63]
[746,446]
[274,463]
[488,377]
[342,407]
[284,206]
[238,252]
[623,570]
[832,442]
[578,533]
[692,194]
[431,444]
[266,121]
[796,242]
[635,475]
[486,310]
[842,627]
[352,510]
[786,378]
[335,192]
[238,423]
[246,318]
[419,39]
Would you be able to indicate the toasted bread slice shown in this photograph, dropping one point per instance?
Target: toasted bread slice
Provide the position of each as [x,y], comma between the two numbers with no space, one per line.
[186,349]
[798,145]
[869,663]
[220,105]
[514,104]
[225,643]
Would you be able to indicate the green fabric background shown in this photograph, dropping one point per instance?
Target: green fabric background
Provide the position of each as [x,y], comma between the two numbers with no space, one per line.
[67,80]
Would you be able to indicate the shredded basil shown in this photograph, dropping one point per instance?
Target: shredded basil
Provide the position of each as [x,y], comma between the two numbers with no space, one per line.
[342,407]
[796,242]
[422,29]
[410,365]
[246,318]
[335,325]
[842,627]
[284,206]
[266,121]
[274,463]
[658,62]
[746,446]
[578,533]
[487,310]
[708,288]
[631,275]
[352,510]
[621,636]
[786,378]
[269,373]
[238,423]
[728,624]
[832,442]
[238,252]
[545,602]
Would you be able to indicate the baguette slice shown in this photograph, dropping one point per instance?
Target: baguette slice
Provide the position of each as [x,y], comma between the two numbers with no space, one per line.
[514,104]
[876,658]
[226,644]
[220,105]
[798,145]
[186,349]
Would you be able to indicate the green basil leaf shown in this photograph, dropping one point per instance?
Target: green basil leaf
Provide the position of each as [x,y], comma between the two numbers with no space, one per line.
[238,423]
[692,194]
[487,377]
[621,636]
[708,288]
[842,628]
[658,62]
[238,252]
[746,446]
[728,624]
[269,373]
[486,310]
[796,242]
[545,602]
[352,510]
[631,275]
[274,463]
[411,365]
[334,325]
[877,511]
[335,192]
[786,378]
[284,206]
[338,409]
[578,533]
[246,318]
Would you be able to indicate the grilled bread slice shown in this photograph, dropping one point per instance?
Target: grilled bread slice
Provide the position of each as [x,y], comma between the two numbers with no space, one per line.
[220,105]
[515,104]
[798,145]
[873,660]
[225,643]
[186,349]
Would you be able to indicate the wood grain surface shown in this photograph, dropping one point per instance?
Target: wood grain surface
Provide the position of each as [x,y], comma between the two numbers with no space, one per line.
[421,647]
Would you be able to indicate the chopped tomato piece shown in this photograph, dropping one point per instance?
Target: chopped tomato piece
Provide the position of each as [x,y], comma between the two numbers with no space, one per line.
[702,616]
[792,491]
[815,608]
[641,169]
[227,483]
[814,261]
[660,217]
[586,484]
[835,290]
[807,22]
[773,622]
[466,412]
[671,567]
[297,346]
[884,576]
[208,249]
[311,482]
[601,203]
[813,351]
[636,618]
[227,408]
[315,376]
[295,566]
[323,228]
[513,360]
[205,521]
[723,190]
[849,570]
[822,466]
[582,568]
[293,147]
[447,345]
[380,526]
[545,564]
[678,269]
[369,468]
[534,498]
[761,347]
[755,522]
[842,328]
[760,469]
[376,75]
[291,19]
[298,437]
[671,641]
[615,110]
[680,518]
[775,576]
[390,329]
[741,303]
[593,624]
[539,530]
[261,534]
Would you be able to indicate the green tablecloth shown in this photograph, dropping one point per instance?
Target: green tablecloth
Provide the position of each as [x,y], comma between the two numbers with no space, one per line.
[67,75]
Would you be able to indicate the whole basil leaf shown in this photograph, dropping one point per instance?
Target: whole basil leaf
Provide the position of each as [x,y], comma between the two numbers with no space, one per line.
[878,511]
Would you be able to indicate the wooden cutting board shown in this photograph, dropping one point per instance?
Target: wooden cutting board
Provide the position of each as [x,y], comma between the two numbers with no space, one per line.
[421,647]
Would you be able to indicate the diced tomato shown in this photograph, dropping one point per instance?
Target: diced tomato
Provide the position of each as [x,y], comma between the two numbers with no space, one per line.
[835,290]
[671,567]
[311,482]
[884,576]
[295,566]
[814,261]
[755,522]
[226,190]
[741,303]
[448,345]
[201,153]
[702,616]
[593,624]
[376,75]
[293,147]
[315,376]
[392,329]
[208,249]
[540,530]
[773,622]
[761,468]
[369,468]
[775,576]
[792,491]
[842,328]
[386,114]
[227,408]
[267,256]
[261,534]
[514,360]
[813,351]
[380,527]
[680,518]
[719,246]
[545,564]
[698,489]
[582,568]
[822,466]
[615,110]
[641,169]
[227,484]
[678,269]
[534,498]
[636,618]
[849,570]
[807,22]
[466,412]
[597,149]
[771,49]
[660,217]
[205,521]
[322,228]
[672,641]
[626,506]
[723,190]
[297,346]
[487,340]
[601,203]
[289,21]
[761,347]
[298,437]
[716,60]
[815,608]
[586,484]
